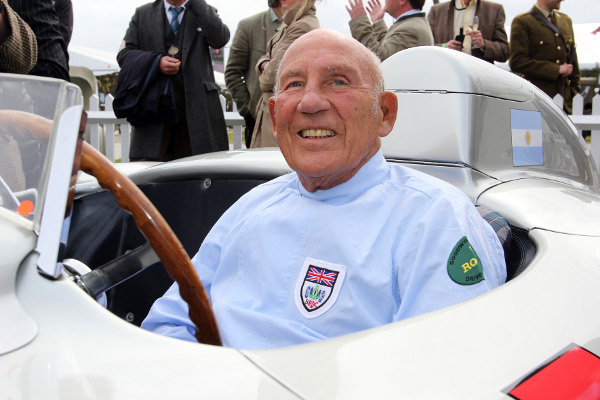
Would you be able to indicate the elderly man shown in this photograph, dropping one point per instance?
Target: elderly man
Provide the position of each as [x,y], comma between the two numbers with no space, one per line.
[410,27]
[347,242]
[542,50]
[486,39]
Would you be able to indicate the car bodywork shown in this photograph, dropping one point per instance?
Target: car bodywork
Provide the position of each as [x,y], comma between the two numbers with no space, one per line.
[455,122]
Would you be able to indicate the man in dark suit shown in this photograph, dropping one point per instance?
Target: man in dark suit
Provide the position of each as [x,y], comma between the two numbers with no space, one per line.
[41,16]
[248,45]
[542,50]
[183,31]
[487,41]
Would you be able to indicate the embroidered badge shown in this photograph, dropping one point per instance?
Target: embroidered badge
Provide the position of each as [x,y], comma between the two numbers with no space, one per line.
[464,265]
[318,286]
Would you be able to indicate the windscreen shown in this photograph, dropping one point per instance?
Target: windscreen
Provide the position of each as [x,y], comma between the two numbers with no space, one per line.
[30,108]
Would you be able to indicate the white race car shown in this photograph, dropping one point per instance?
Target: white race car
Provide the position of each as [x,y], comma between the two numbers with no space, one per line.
[74,290]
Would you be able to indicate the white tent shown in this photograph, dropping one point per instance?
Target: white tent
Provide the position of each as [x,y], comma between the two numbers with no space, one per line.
[100,62]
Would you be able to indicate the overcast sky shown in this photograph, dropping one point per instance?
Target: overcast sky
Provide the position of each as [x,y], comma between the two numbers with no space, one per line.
[101,24]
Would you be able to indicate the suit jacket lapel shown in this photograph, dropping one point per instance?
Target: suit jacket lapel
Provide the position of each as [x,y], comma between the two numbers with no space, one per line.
[157,33]
[191,29]
[548,24]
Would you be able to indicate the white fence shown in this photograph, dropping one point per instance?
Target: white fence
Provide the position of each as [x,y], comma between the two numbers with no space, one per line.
[102,126]
[102,129]
[586,122]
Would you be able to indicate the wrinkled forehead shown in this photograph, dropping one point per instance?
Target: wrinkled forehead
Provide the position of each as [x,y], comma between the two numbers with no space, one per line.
[330,56]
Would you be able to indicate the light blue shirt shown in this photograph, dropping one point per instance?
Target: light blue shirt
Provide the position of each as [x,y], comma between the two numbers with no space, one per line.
[284,266]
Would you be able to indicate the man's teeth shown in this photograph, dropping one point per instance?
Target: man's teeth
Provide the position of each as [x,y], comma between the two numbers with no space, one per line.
[317,133]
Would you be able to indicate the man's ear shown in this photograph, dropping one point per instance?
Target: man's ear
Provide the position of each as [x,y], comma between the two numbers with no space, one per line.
[272,112]
[389,112]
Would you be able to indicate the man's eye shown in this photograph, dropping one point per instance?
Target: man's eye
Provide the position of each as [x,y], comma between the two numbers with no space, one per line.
[295,84]
[339,82]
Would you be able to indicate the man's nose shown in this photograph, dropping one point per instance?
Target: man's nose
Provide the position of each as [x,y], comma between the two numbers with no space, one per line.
[313,101]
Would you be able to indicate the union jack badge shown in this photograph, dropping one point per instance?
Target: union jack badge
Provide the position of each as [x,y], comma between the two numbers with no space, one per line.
[318,286]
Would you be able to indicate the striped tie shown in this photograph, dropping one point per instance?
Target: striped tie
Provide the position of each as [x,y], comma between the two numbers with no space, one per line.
[175,13]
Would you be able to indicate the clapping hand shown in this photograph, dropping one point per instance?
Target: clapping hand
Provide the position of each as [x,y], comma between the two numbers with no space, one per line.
[376,10]
[356,8]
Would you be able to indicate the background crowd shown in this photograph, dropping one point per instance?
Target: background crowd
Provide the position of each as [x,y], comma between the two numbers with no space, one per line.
[34,35]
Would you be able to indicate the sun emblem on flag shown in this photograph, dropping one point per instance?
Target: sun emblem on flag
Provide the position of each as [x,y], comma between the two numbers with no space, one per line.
[528,138]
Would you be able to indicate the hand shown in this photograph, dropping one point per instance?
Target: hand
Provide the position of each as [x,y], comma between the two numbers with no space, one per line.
[356,8]
[454,45]
[376,10]
[476,38]
[169,65]
[565,69]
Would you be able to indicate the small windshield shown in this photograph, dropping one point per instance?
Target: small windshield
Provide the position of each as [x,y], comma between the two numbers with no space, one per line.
[29,107]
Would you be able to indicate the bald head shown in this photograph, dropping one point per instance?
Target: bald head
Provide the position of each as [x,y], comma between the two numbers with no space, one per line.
[345,44]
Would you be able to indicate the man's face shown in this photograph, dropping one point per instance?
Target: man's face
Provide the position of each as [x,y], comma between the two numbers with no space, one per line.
[392,7]
[326,119]
[288,4]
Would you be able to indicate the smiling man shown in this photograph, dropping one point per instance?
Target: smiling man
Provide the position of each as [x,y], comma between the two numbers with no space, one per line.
[347,242]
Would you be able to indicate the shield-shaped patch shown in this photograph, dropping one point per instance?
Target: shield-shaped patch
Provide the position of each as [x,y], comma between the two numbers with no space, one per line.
[318,286]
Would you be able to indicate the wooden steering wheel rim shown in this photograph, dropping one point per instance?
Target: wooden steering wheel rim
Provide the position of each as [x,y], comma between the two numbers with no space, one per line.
[164,242]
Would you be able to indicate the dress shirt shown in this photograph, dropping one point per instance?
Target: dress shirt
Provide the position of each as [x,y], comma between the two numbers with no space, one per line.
[170,15]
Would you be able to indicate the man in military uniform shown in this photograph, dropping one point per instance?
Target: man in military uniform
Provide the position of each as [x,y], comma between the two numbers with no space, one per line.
[542,50]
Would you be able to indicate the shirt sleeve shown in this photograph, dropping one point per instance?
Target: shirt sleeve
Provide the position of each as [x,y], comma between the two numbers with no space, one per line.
[449,240]
[169,314]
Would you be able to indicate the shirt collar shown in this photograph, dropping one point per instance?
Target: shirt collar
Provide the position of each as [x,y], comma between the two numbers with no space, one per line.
[544,12]
[409,12]
[167,5]
[274,18]
[371,174]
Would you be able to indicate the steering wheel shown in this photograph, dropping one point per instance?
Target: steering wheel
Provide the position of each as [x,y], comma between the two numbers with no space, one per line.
[158,233]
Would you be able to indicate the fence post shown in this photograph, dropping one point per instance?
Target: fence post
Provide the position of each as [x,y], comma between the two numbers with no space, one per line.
[577,104]
[94,128]
[558,100]
[125,138]
[109,130]
[595,147]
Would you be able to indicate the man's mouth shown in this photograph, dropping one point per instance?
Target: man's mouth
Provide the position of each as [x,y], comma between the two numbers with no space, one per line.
[316,133]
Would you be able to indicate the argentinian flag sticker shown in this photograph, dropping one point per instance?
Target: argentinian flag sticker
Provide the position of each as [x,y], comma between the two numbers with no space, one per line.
[527,137]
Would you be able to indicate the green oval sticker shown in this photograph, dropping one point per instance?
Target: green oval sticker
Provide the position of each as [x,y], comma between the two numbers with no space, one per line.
[464,266]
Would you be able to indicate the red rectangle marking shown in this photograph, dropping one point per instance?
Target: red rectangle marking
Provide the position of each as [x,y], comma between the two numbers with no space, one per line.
[574,375]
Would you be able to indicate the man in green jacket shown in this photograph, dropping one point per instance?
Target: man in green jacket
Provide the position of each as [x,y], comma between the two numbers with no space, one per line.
[248,45]
[542,50]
